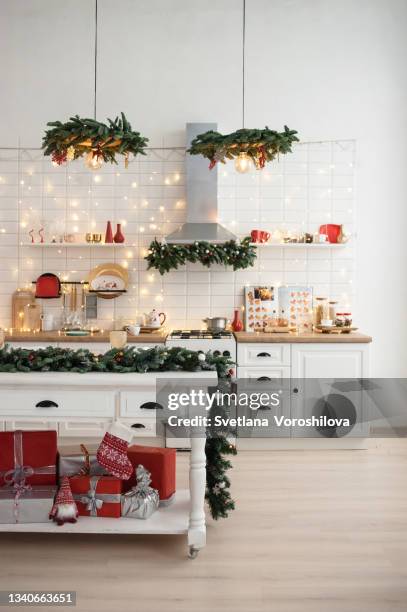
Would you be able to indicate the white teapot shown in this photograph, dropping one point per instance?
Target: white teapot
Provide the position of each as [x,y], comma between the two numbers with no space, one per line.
[154,318]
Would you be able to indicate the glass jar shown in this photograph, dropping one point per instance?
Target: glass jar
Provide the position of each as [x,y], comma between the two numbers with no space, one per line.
[339,319]
[332,310]
[321,310]
[347,319]
[283,320]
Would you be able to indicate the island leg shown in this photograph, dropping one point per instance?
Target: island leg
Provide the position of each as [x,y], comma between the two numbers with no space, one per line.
[197,485]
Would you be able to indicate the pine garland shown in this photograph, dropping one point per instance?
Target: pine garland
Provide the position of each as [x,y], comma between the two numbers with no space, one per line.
[217,483]
[261,145]
[76,137]
[165,257]
[132,359]
[121,361]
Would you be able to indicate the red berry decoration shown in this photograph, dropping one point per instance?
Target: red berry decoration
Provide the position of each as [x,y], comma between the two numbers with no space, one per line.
[59,157]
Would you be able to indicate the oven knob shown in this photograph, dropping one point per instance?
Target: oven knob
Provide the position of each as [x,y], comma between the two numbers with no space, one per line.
[216,353]
[226,353]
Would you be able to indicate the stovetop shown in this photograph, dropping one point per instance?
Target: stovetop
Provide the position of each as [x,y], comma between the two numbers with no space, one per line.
[200,334]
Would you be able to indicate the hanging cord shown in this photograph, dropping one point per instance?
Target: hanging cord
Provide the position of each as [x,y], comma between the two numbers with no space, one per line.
[96,55]
[243,59]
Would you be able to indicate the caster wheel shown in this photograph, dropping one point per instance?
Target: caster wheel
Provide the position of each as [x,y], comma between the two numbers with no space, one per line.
[193,552]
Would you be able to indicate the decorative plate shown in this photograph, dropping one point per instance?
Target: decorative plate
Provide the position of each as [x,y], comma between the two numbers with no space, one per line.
[109,280]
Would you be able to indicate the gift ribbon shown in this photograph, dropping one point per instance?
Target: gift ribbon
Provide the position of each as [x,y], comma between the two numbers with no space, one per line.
[94,501]
[18,474]
[19,490]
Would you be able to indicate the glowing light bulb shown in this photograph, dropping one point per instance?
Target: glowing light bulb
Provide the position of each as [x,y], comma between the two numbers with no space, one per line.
[93,161]
[243,163]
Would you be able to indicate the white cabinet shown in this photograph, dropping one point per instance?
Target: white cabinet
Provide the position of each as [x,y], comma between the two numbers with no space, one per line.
[330,360]
[263,354]
[30,425]
[85,428]
[50,403]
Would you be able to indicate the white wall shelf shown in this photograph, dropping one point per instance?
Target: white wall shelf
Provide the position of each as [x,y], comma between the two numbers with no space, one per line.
[299,245]
[74,245]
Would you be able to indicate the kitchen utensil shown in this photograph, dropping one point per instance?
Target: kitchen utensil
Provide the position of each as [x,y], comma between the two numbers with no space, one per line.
[118,339]
[215,323]
[110,277]
[334,329]
[48,286]
[153,319]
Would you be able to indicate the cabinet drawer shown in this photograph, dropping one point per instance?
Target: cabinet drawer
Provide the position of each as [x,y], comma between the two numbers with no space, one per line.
[49,403]
[30,425]
[142,427]
[140,403]
[259,375]
[261,354]
[84,429]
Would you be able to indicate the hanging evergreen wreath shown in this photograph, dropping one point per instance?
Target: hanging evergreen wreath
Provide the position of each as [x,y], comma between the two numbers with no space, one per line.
[260,145]
[165,257]
[99,141]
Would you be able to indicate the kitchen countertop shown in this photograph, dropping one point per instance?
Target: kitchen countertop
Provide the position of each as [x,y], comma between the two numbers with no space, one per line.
[294,338]
[54,336]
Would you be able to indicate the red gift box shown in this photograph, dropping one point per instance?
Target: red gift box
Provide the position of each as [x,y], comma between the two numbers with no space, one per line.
[160,462]
[28,456]
[97,495]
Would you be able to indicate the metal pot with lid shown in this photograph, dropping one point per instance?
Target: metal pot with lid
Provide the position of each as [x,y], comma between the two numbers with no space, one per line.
[215,323]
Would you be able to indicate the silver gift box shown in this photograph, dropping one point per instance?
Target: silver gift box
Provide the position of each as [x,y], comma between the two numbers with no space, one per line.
[71,465]
[32,506]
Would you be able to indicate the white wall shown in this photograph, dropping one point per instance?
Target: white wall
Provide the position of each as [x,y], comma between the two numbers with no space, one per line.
[329,69]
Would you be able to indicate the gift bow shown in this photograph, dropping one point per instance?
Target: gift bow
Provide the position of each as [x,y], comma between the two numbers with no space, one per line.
[94,501]
[18,474]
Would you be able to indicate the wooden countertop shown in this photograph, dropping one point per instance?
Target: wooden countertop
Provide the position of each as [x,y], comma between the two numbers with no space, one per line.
[54,336]
[294,338]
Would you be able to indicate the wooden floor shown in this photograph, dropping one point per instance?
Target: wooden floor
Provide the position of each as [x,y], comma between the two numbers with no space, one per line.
[314,531]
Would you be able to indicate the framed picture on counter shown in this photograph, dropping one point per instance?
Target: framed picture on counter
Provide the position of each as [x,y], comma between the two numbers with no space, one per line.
[295,305]
[260,304]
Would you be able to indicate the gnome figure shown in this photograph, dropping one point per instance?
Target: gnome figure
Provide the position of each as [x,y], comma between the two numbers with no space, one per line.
[64,509]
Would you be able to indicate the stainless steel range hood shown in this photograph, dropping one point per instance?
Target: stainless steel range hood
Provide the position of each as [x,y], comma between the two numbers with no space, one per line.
[202,198]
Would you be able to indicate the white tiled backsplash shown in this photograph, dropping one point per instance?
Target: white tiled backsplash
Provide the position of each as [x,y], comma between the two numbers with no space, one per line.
[312,186]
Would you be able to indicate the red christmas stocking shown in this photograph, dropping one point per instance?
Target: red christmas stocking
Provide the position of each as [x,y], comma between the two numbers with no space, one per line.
[112,452]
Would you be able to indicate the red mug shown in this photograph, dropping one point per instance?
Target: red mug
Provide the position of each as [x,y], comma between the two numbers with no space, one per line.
[259,236]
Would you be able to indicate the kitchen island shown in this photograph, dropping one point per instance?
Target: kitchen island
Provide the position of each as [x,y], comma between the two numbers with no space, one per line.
[60,400]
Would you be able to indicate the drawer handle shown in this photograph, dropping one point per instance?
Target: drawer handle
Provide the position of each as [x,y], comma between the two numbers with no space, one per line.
[263,379]
[295,390]
[46,404]
[264,407]
[263,355]
[138,426]
[151,406]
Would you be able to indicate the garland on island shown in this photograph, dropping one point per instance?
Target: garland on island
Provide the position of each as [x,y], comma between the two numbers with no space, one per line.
[101,141]
[260,145]
[165,257]
[132,359]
